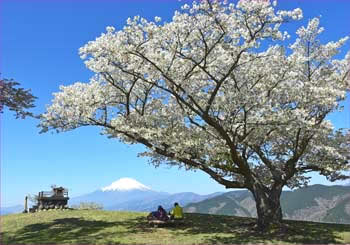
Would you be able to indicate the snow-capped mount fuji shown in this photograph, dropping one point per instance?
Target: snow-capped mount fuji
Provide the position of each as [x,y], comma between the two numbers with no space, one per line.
[125,184]
[121,191]
[129,194]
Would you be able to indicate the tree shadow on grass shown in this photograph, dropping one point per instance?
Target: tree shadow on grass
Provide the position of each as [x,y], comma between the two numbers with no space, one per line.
[76,231]
[208,229]
[230,229]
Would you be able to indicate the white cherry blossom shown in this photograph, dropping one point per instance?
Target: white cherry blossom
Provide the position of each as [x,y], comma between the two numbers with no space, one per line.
[201,93]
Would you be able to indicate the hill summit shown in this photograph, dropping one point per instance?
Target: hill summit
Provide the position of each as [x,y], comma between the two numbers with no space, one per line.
[125,184]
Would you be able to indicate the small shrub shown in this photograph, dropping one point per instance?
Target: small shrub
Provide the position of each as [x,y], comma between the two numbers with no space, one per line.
[88,206]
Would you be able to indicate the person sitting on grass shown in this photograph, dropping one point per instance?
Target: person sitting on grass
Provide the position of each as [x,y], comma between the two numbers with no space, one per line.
[176,213]
[160,214]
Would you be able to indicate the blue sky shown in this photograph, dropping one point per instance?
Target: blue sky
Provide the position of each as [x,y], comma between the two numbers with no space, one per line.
[39,42]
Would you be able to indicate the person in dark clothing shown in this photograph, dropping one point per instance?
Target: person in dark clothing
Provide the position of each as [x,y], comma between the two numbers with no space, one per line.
[160,214]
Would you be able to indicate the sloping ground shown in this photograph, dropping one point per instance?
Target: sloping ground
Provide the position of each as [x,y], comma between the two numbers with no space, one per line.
[112,227]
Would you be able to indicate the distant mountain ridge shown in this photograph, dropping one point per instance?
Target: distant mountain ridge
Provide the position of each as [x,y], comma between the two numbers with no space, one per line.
[314,203]
[166,200]
[11,209]
[130,195]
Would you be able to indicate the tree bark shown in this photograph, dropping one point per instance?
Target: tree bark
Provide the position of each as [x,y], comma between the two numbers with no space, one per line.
[268,206]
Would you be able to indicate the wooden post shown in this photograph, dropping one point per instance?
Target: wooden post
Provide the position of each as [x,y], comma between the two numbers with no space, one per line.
[26,204]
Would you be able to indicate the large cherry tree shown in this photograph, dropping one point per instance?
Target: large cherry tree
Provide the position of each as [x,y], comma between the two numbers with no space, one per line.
[218,89]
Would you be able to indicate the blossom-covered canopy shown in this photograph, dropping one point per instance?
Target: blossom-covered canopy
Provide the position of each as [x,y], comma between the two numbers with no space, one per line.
[217,89]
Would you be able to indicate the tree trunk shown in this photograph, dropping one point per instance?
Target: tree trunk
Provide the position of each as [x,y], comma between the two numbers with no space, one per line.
[268,206]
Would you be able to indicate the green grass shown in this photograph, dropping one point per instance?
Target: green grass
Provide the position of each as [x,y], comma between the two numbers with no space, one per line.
[109,227]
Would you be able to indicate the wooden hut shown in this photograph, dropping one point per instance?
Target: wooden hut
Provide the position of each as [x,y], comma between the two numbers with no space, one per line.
[57,198]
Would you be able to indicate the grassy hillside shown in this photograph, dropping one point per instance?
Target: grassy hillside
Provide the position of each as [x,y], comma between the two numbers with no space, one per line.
[338,213]
[224,205]
[306,197]
[110,227]
[314,203]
